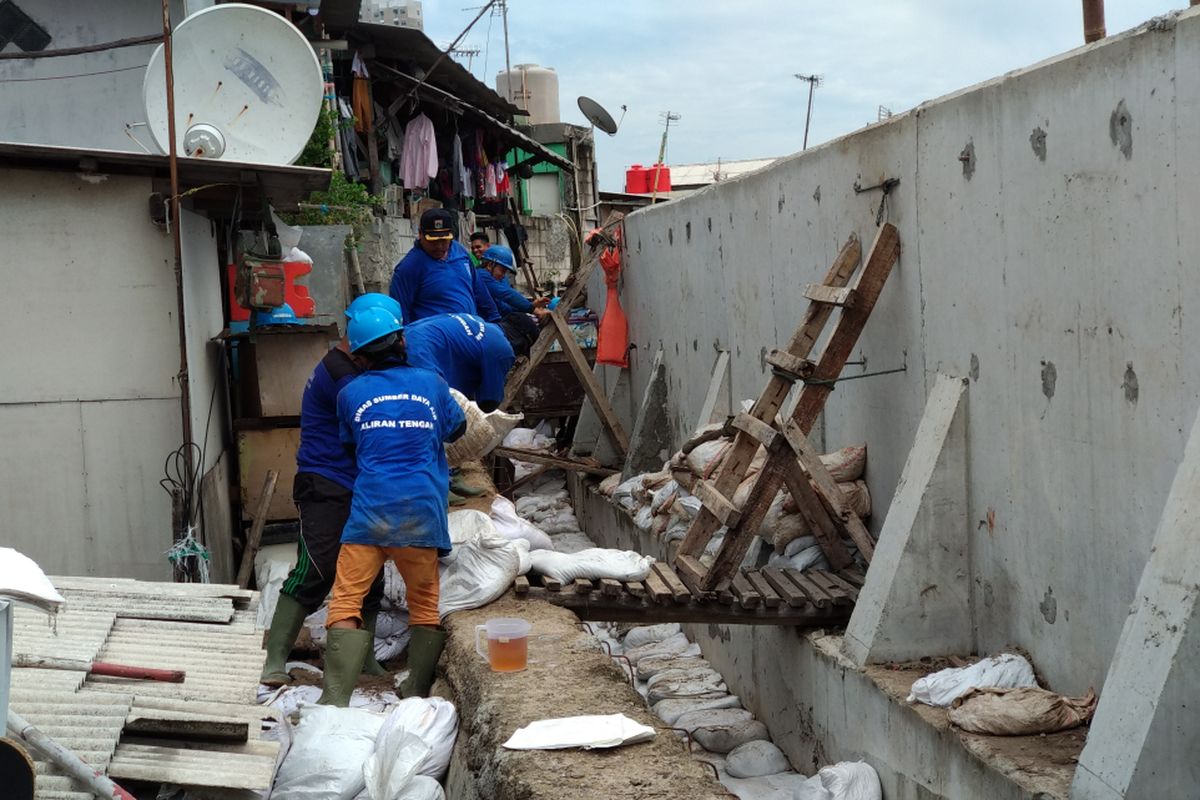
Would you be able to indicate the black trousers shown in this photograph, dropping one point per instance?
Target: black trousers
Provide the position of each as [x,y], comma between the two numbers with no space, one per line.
[324,507]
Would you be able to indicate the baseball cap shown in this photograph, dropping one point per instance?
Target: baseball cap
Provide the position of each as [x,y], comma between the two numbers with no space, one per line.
[436,224]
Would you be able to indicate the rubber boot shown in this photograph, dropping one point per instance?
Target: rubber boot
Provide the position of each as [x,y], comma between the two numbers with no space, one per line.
[459,485]
[455,499]
[344,653]
[285,625]
[370,665]
[424,650]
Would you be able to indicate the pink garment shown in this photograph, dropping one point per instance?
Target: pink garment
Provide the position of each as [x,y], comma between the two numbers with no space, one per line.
[419,160]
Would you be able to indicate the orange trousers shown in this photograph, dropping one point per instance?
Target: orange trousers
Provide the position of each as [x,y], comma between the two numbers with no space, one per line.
[357,566]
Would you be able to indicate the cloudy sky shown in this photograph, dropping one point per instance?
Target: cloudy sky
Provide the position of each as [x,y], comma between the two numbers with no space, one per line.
[727,67]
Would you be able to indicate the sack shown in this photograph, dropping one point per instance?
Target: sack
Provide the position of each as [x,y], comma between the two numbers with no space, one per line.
[705,459]
[663,497]
[720,730]
[847,464]
[484,433]
[609,484]
[593,564]
[511,526]
[755,759]
[325,761]
[434,721]
[848,780]
[1020,712]
[943,688]
[645,634]
[390,769]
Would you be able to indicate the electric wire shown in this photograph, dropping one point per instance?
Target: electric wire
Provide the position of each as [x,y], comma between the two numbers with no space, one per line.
[76,75]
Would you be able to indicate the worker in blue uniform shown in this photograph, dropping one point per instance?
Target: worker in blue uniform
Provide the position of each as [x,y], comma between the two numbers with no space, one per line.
[436,276]
[397,418]
[496,267]
[322,490]
[472,355]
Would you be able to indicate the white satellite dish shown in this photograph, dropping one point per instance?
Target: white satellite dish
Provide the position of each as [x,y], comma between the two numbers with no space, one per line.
[248,87]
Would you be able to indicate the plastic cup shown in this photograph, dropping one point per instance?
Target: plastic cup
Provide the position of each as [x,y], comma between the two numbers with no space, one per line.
[508,643]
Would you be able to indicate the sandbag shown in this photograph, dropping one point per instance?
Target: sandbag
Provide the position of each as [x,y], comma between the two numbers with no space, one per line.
[669,711]
[707,687]
[720,730]
[623,493]
[389,770]
[673,645]
[329,748]
[423,787]
[705,458]
[847,464]
[755,759]
[1020,712]
[662,497]
[511,526]
[944,687]
[434,721]
[649,666]
[610,484]
[593,564]
[847,780]
[644,634]
[692,673]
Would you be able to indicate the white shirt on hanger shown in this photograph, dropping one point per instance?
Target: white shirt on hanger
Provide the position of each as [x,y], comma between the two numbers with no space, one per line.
[419,160]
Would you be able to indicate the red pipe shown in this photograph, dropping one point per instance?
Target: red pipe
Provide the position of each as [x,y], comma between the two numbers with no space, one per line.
[139,673]
[1093,21]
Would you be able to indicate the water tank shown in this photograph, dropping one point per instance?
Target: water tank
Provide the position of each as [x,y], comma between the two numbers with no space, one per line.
[532,88]
[664,178]
[637,180]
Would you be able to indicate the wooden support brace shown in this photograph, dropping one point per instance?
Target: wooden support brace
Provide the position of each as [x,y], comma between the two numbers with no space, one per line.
[538,457]
[767,436]
[833,295]
[595,393]
[828,491]
[718,504]
[789,366]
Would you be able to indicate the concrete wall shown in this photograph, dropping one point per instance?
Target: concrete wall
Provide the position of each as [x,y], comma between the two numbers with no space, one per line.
[1048,264]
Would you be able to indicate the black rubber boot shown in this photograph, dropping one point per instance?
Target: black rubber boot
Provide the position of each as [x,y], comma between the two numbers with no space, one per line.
[370,665]
[344,653]
[285,625]
[424,650]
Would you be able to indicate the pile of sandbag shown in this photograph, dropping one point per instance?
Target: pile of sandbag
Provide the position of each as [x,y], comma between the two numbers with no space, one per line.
[484,432]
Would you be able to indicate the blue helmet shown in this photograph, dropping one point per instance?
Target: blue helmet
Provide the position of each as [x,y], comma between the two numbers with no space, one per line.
[375,300]
[501,255]
[280,315]
[372,329]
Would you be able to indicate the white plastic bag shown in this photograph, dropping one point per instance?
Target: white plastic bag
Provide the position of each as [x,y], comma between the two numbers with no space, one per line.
[593,564]
[943,688]
[326,758]
[432,720]
[847,780]
[511,526]
[588,732]
[22,579]
[389,770]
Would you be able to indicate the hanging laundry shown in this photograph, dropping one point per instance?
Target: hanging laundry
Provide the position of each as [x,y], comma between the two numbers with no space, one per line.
[489,182]
[419,160]
[361,95]
[348,141]
[460,174]
[503,182]
[612,345]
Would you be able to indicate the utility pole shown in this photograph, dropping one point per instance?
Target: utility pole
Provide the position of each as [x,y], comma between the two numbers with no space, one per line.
[813,82]
[507,59]
[667,118]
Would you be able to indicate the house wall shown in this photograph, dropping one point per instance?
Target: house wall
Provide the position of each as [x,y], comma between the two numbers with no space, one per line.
[91,406]
[1050,264]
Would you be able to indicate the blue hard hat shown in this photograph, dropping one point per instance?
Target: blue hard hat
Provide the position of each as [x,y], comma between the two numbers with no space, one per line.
[375,300]
[280,315]
[501,255]
[372,329]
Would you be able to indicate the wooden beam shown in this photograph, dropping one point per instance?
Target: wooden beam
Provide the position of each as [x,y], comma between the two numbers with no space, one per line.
[680,592]
[537,457]
[767,436]
[790,366]
[254,537]
[578,361]
[718,385]
[833,295]
[718,504]
[826,530]
[770,597]
[829,492]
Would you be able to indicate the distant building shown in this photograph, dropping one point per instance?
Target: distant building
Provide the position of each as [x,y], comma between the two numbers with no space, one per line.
[403,14]
[686,178]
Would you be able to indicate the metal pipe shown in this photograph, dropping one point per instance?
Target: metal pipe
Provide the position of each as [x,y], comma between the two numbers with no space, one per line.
[1093,20]
[99,668]
[185,399]
[66,760]
[90,48]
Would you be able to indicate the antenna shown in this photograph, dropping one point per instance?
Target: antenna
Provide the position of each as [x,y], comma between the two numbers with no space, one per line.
[666,117]
[469,52]
[884,113]
[597,115]
[248,87]
[813,82]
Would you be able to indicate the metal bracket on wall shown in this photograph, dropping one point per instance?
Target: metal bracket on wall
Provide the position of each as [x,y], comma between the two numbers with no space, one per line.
[886,187]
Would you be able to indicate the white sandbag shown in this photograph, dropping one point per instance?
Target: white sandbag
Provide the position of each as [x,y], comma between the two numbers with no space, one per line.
[720,730]
[802,558]
[846,464]
[593,564]
[643,518]
[662,497]
[693,673]
[669,711]
[706,688]
[423,787]
[531,504]
[644,634]
[673,645]
[389,770]
[269,575]
[315,622]
[846,780]
[706,457]
[650,666]
[572,542]
[943,688]
[511,526]
[857,497]
[1020,712]
[623,494]
[780,786]
[431,719]
[479,433]
[524,562]
[563,521]
[609,485]
[325,761]
[391,634]
[755,759]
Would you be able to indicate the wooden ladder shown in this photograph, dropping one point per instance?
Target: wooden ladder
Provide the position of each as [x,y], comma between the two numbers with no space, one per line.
[791,459]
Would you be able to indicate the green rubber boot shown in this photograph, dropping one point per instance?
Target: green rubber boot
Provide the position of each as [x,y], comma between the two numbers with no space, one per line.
[459,486]
[344,653]
[424,650]
[455,499]
[370,665]
[285,625]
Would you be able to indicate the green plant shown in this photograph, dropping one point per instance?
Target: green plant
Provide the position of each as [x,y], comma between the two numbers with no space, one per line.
[345,203]
[316,152]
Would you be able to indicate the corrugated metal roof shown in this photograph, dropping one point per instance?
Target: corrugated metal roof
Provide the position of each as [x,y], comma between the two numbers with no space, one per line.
[703,174]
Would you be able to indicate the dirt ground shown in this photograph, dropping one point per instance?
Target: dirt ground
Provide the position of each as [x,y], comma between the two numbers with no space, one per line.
[568,675]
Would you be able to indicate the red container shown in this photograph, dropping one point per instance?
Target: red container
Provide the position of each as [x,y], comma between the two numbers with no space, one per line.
[637,180]
[664,178]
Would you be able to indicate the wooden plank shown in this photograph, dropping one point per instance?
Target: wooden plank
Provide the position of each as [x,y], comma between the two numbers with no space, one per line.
[582,586]
[657,587]
[536,457]
[885,250]
[840,596]
[786,589]
[725,593]
[718,385]
[626,608]
[833,295]
[837,580]
[524,479]
[792,367]
[767,436]
[595,393]
[262,450]
[678,590]
[552,585]
[254,537]
[635,588]
[521,585]
[610,587]
[828,491]
[745,592]
[770,598]
[814,592]
[517,378]
[825,529]
[852,575]
[720,506]
[692,572]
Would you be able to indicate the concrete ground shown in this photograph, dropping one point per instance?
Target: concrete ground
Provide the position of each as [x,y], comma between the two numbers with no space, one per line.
[568,675]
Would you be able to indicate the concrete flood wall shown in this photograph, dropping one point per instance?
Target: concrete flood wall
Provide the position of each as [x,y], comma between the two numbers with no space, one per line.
[1045,257]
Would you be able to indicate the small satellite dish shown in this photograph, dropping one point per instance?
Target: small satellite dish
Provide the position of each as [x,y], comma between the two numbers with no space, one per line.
[597,115]
[248,87]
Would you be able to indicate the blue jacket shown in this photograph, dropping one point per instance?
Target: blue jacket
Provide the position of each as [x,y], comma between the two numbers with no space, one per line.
[424,286]
[506,298]
[472,355]
[321,449]
[397,419]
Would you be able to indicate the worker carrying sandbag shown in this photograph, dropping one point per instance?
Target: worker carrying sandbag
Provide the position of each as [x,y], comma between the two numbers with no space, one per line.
[397,418]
